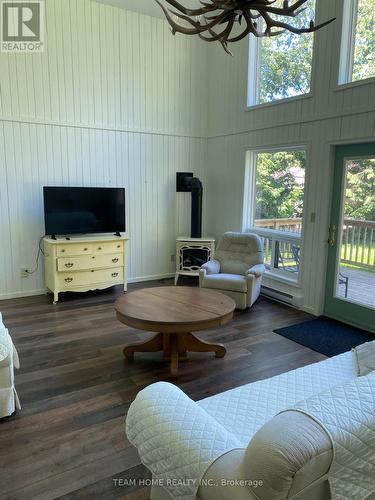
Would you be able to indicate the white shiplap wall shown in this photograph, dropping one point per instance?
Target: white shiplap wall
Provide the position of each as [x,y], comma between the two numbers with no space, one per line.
[114,100]
[330,115]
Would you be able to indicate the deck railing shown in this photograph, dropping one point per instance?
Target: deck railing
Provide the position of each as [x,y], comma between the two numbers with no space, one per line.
[358,238]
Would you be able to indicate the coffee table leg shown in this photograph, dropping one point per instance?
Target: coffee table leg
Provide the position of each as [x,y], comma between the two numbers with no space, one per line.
[174,354]
[155,344]
[194,344]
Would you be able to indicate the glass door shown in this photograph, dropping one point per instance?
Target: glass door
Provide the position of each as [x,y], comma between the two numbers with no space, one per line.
[350,286]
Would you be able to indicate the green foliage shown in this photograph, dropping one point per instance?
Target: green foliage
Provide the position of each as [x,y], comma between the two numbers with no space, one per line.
[360,190]
[364,52]
[285,68]
[286,60]
[280,184]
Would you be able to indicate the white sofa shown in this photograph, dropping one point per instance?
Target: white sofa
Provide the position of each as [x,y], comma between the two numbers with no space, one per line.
[237,268]
[8,361]
[289,452]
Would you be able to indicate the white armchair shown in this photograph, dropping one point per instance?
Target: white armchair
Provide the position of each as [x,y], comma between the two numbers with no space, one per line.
[237,268]
[8,361]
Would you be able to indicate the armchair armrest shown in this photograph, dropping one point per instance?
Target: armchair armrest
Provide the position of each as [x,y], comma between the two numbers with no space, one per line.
[211,267]
[257,270]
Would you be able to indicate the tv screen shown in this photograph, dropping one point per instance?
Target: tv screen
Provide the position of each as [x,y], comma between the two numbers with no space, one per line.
[77,210]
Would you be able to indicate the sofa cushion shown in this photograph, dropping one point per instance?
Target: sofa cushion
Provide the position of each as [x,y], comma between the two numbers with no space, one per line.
[223,281]
[365,358]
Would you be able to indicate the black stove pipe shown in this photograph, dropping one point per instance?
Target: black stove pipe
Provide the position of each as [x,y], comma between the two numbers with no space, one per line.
[195,185]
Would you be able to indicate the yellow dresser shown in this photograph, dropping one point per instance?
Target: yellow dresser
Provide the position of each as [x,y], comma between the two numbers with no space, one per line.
[83,264]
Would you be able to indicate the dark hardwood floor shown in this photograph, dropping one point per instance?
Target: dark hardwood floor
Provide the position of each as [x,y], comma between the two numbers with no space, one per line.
[68,440]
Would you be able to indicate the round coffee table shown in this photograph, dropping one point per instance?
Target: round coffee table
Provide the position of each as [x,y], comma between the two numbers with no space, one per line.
[174,312]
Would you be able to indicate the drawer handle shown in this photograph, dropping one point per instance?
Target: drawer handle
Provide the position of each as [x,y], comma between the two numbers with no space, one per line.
[99,248]
[118,246]
[69,264]
[85,249]
[93,257]
[68,280]
[63,251]
[114,260]
[115,275]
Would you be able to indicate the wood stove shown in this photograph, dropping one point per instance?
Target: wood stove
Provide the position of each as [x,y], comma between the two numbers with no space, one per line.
[191,254]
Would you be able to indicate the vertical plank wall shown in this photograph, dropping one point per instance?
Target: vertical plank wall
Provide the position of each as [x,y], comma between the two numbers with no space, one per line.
[329,115]
[114,100]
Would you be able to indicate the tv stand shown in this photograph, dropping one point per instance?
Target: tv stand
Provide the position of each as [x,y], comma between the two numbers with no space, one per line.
[85,263]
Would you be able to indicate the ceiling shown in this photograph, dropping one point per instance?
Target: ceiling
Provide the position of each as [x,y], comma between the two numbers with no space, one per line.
[149,7]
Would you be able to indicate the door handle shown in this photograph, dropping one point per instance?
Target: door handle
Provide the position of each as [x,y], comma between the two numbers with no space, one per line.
[332,235]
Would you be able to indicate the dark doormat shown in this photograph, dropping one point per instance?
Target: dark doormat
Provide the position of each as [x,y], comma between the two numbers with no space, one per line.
[326,336]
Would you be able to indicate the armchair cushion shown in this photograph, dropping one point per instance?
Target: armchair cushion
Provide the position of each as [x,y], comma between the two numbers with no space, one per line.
[223,281]
[212,266]
[257,270]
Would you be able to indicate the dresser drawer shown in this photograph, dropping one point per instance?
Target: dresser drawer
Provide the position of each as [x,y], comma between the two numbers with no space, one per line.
[73,249]
[85,278]
[108,247]
[83,262]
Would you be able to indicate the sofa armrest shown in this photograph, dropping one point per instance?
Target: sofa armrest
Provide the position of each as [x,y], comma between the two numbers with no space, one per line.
[288,454]
[211,267]
[176,438]
[257,270]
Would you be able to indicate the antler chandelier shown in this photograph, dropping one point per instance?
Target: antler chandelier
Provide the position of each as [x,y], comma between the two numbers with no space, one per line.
[257,16]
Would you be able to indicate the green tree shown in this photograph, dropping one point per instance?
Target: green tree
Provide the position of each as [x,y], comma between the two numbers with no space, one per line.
[364,50]
[286,60]
[280,184]
[360,190]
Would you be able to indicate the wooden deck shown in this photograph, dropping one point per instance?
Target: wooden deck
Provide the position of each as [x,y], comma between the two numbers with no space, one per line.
[361,286]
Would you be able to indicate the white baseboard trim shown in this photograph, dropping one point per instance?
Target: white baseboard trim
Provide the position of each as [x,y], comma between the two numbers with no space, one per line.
[42,291]
[154,277]
[22,293]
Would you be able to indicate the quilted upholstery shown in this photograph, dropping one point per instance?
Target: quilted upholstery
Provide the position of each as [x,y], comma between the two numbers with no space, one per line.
[175,437]
[178,438]
[246,409]
[365,358]
[347,412]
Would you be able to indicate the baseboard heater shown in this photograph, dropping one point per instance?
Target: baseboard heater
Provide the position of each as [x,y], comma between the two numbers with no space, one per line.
[287,298]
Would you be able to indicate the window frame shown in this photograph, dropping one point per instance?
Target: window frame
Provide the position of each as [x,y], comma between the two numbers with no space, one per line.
[253,79]
[249,209]
[347,46]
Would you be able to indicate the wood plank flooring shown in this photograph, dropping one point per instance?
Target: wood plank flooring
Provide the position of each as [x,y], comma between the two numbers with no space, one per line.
[68,441]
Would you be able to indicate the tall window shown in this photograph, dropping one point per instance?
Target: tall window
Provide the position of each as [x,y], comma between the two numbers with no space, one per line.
[280,67]
[358,41]
[274,197]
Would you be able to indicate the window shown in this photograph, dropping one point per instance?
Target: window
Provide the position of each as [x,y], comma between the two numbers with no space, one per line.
[274,196]
[358,41]
[280,67]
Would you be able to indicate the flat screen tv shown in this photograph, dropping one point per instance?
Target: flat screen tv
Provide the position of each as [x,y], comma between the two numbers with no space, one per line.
[83,210]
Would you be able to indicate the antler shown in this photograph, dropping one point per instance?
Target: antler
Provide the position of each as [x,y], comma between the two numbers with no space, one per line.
[230,12]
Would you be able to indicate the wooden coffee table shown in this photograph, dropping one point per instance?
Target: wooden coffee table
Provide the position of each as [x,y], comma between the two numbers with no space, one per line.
[174,312]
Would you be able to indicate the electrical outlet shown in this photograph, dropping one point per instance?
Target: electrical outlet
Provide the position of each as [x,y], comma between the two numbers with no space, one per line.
[24,272]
